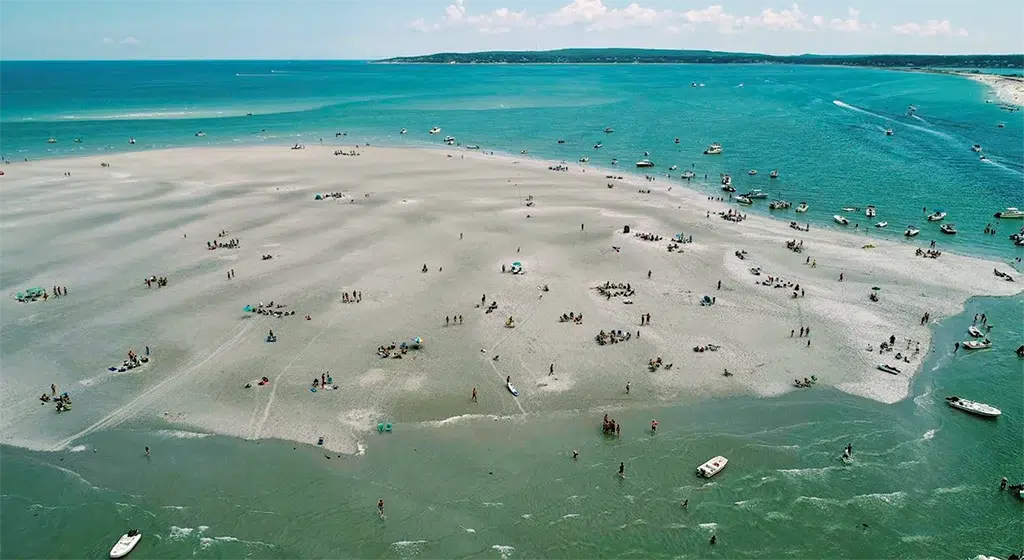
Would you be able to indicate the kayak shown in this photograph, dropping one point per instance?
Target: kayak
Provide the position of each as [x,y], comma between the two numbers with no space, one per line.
[126,544]
[512,389]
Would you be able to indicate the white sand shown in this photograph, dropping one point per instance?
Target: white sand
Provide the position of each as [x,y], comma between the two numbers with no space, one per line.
[1008,89]
[102,230]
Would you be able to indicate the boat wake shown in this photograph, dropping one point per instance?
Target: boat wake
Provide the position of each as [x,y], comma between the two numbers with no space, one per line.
[844,105]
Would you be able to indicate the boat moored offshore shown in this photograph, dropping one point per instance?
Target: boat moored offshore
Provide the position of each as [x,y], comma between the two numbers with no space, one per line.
[713,149]
[435,130]
[911,231]
[645,163]
[1009,214]
[802,207]
[936,216]
[841,220]
[870,211]
[980,409]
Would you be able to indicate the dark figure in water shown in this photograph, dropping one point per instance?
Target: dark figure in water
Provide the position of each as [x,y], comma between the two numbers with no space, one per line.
[622,470]
[714,539]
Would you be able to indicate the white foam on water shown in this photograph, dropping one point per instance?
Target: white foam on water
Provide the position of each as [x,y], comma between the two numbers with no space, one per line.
[526,516]
[776,515]
[408,549]
[893,498]
[503,549]
[179,533]
[929,434]
[709,526]
[360,449]
[952,489]
[808,472]
[182,434]
[493,504]
[179,508]
[78,449]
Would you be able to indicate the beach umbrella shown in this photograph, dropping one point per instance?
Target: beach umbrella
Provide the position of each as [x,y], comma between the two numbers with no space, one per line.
[247,308]
[517,263]
[418,340]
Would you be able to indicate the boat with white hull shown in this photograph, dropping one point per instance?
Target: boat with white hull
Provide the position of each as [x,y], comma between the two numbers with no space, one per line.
[841,220]
[802,207]
[975,332]
[882,225]
[911,231]
[937,216]
[976,344]
[126,544]
[888,369]
[980,409]
[712,466]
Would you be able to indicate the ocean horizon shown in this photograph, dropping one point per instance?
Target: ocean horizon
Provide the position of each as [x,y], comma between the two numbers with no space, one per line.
[925,481]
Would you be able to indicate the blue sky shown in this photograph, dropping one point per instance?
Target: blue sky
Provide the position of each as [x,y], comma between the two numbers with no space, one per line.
[360,29]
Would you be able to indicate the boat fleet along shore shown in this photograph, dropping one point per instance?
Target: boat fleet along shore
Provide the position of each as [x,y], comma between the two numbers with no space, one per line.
[419,235]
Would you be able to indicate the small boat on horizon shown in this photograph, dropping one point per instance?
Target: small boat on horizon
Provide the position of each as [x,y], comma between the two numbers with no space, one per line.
[200,134]
[403,131]
[841,220]
[980,409]
[78,140]
[752,172]
[744,200]
[888,132]
[712,466]
[976,147]
[472,147]
[713,149]
[131,140]
[51,140]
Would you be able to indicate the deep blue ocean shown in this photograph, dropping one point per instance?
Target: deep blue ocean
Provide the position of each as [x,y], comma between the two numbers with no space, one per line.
[925,481]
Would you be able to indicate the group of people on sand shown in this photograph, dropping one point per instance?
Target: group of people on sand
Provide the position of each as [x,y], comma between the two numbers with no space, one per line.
[263,381]
[613,289]
[655,364]
[452,320]
[795,246]
[890,346]
[151,280]
[927,253]
[612,337]
[324,381]
[647,236]
[393,351]
[63,400]
[706,348]
[270,309]
[230,244]
[571,317]
[354,297]
[610,427]
[344,153]
[559,167]
[732,215]
[806,383]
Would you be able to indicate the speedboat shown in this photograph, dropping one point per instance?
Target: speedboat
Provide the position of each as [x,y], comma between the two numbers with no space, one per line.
[976,147]
[726,180]
[882,224]
[403,131]
[728,187]
[598,146]
[779,205]
[744,201]
[677,139]
[1009,214]
[51,140]
[560,141]
[435,130]
[774,174]
[78,140]
[200,134]
[888,132]
[936,216]
[688,174]
[976,344]
[712,467]
[870,211]
[756,194]
[752,172]
[911,231]
[673,168]
[608,130]
[851,209]
[615,161]
[523,152]
[981,409]
[802,207]
[713,149]
[125,544]
[512,389]
[841,220]
[584,159]
[975,332]
[948,229]
[473,147]
[888,369]
[645,163]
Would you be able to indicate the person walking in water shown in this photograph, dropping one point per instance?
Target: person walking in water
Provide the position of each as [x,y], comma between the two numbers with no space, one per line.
[622,469]
[654,426]
[575,454]
[147,451]
[380,508]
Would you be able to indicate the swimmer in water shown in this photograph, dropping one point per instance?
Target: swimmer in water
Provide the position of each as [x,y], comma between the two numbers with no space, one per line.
[380,508]
[575,454]
[622,469]
[147,451]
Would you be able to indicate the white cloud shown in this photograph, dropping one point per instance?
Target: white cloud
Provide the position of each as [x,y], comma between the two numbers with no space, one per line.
[930,28]
[108,41]
[595,16]
[792,18]
[129,41]
[851,25]
[817,20]
[501,20]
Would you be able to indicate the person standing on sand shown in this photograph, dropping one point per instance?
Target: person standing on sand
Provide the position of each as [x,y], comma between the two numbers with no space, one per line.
[474,394]
[648,274]
[840,276]
[581,227]
[551,370]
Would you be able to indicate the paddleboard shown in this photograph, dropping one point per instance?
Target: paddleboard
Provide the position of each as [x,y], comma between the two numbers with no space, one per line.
[512,389]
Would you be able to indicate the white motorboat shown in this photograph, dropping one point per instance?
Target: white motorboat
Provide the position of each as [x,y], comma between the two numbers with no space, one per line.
[726,180]
[888,369]
[948,229]
[779,205]
[936,216]
[125,544]
[598,146]
[403,131]
[752,172]
[976,147]
[975,332]
[728,188]
[802,207]
[981,409]
[688,174]
[608,130]
[756,194]
[523,152]
[584,159]
[1009,214]
[841,220]
[131,140]
[774,174]
[200,134]
[512,389]
[976,344]
[713,149]
[911,231]
[645,163]
[870,211]
[712,467]
[615,161]
[560,141]
[744,201]
[882,224]
[449,138]
[435,130]
[51,140]
[888,132]
[851,209]
[673,168]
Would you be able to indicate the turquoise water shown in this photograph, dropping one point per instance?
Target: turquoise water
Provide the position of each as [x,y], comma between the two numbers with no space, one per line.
[924,479]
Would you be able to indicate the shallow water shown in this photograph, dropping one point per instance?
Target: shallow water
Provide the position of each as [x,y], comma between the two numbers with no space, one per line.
[924,477]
